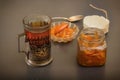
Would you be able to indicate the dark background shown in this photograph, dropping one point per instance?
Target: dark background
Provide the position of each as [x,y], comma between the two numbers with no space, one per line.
[64,65]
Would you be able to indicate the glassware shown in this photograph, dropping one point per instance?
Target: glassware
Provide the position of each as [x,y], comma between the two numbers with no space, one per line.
[66,37]
[37,40]
[92,47]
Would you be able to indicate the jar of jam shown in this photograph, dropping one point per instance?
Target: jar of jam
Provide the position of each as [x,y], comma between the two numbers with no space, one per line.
[92,47]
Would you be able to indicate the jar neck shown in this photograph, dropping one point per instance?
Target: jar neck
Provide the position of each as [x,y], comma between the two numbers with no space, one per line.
[92,37]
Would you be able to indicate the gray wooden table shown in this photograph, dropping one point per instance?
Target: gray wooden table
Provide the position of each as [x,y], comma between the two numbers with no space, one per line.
[64,65]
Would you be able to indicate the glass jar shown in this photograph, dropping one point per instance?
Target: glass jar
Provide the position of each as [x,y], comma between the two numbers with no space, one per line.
[92,47]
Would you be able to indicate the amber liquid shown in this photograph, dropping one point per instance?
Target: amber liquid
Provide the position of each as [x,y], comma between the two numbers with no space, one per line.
[39,43]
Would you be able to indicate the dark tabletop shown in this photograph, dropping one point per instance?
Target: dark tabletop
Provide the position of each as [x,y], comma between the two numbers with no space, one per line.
[64,65]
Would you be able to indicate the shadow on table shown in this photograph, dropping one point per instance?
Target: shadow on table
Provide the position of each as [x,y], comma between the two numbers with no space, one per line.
[38,73]
[91,73]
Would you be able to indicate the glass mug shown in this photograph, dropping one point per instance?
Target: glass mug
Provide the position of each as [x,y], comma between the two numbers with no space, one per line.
[37,40]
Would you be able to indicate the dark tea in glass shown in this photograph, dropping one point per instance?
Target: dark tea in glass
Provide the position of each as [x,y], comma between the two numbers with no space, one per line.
[37,38]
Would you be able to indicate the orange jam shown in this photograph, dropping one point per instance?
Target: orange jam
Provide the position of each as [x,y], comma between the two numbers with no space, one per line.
[92,47]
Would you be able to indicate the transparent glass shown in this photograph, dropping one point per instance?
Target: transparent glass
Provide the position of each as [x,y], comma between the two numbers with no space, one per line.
[92,47]
[37,38]
[67,38]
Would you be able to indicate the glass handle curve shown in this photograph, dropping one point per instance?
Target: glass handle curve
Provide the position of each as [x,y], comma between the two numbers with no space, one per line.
[19,49]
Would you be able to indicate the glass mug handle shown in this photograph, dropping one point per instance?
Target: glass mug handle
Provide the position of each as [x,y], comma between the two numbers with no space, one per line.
[27,49]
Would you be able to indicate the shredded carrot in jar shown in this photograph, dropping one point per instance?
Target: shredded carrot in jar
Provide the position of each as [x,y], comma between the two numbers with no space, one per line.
[92,51]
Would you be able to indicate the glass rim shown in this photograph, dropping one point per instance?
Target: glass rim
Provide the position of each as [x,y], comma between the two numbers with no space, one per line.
[101,33]
[26,25]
